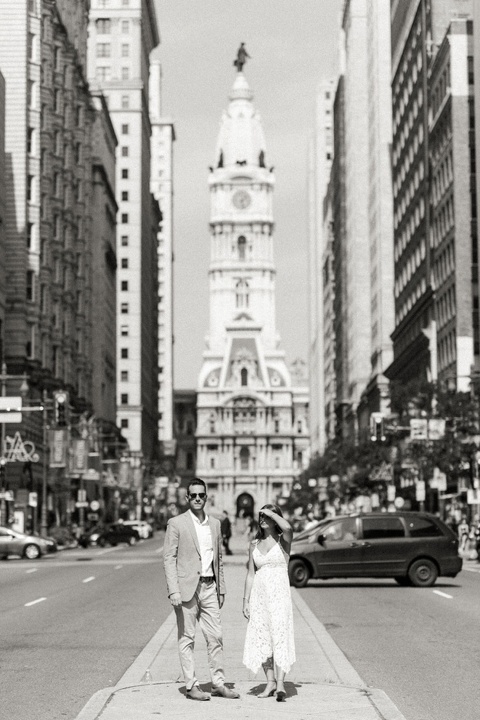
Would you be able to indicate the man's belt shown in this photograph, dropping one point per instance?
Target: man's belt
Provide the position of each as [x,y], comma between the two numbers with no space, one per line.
[206,578]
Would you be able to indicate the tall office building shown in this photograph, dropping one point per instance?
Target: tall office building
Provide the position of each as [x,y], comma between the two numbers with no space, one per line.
[3,289]
[163,137]
[48,202]
[104,263]
[252,423]
[121,37]
[375,397]
[418,28]
[320,161]
[356,250]
[453,203]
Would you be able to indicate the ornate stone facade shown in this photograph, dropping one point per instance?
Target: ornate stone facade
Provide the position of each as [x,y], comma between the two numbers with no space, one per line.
[252,433]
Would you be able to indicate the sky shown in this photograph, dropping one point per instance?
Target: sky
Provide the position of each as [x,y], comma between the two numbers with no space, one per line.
[293,47]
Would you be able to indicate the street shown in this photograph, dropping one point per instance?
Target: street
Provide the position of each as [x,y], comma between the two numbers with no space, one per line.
[422,646]
[72,623]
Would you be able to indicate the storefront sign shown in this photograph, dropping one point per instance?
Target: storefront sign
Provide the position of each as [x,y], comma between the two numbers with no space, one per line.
[58,441]
[19,450]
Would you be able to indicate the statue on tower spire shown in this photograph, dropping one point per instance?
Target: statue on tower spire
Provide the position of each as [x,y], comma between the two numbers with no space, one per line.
[241,58]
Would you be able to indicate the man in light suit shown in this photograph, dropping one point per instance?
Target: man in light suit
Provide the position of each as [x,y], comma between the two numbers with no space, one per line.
[193,564]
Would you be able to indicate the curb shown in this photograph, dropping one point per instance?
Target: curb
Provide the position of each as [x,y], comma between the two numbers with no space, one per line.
[96,704]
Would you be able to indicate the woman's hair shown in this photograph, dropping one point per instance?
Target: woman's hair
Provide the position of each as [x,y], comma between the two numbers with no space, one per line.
[260,534]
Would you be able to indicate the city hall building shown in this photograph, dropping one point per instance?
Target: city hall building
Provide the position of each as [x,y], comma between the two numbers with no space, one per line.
[252,410]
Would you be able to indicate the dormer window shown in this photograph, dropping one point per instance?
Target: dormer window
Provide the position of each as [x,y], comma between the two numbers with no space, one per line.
[244,377]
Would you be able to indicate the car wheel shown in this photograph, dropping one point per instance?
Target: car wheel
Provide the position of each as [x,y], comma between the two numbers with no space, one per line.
[101,542]
[403,581]
[31,551]
[299,573]
[423,573]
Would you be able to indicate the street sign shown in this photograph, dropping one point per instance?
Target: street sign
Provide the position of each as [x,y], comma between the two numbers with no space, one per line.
[420,490]
[95,505]
[81,504]
[10,410]
[418,429]
[33,499]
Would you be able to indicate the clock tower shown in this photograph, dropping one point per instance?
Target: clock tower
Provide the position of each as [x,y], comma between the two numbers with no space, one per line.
[252,436]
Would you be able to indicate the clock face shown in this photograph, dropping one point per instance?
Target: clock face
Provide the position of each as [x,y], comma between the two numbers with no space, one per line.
[241,199]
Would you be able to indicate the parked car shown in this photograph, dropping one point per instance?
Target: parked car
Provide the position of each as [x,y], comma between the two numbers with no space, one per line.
[17,543]
[144,529]
[414,548]
[51,543]
[109,535]
[119,533]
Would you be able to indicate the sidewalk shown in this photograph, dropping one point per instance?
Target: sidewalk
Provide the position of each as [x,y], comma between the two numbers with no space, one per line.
[322,684]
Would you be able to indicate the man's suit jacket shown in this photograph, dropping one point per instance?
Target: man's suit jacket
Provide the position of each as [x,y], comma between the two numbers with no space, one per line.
[182,559]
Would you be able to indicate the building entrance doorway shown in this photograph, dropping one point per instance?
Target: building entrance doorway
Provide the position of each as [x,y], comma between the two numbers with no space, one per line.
[245,505]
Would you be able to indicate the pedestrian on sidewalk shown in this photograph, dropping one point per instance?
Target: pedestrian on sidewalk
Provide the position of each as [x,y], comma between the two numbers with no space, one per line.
[267,602]
[226,528]
[463,530]
[193,564]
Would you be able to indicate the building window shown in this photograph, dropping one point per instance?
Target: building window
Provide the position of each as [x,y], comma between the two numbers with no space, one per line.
[276,426]
[124,308]
[124,423]
[125,102]
[30,136]
[125,73]
[31,46]
[30,279]
[124,173]
[103,50]
[212,463]
[124,330]
[103,74]
[30,227]
[124,399]
[124,195]
[104,26]
[124,151]
[124,240]
[125,49]
[125,129]
[124,353]
[124,263]
[124,285]
[125,27]
[244,458]
[30,188]
[124,218]
[244,377]
[124,376]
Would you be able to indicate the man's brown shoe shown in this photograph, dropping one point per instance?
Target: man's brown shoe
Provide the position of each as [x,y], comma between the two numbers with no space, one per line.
[196,693]
[224,691]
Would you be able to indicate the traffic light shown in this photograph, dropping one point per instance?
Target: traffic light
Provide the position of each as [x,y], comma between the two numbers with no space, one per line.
[377,429]
[60,403]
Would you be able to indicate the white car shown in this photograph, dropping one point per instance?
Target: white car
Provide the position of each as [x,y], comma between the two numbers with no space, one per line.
[144,529]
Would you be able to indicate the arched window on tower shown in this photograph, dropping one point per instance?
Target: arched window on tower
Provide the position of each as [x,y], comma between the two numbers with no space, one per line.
[241,294]
[244,377]
[242,244]
[244,458]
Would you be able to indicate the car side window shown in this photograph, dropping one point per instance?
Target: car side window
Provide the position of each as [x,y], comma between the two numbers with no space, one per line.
[345,529]
[423,527]
[379,528]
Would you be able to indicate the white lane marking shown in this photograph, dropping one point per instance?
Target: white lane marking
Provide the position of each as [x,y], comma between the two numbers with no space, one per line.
[89,579]
[117,567]
[31,570]
[442,594]
[34,602]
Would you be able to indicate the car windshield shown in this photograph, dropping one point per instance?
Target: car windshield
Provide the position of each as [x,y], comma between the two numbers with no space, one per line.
[306,533]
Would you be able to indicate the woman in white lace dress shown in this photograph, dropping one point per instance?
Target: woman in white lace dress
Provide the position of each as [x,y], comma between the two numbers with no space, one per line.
[267,602]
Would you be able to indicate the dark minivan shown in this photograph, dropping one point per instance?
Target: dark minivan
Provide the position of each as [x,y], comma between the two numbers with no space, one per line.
[414,548]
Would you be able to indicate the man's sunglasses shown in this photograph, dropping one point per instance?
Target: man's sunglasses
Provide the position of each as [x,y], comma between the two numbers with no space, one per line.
[202,496]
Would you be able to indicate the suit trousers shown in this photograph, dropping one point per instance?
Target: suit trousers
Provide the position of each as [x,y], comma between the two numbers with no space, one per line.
[204,609]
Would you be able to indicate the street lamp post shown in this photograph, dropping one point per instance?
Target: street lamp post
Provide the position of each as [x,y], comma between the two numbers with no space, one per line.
[43,521]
